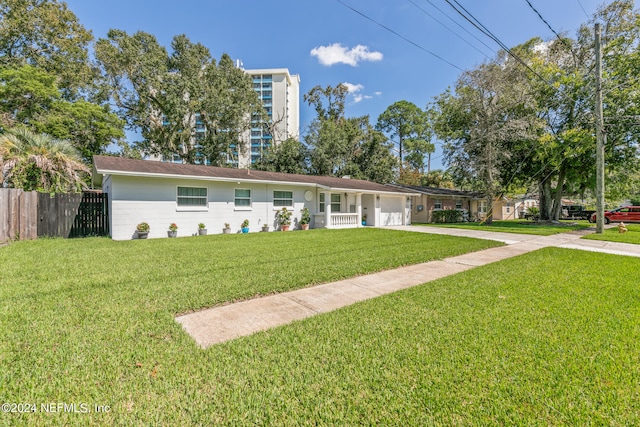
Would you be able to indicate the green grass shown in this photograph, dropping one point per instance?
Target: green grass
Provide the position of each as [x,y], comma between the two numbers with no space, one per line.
[92,320]
[518,226]
[547,338]
[612,235]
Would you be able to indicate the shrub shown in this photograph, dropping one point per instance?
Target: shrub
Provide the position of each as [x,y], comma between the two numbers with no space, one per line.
[284,216]
[305,218]
[446,216]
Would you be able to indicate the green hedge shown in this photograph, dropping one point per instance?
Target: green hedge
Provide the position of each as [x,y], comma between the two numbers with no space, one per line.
[449,215]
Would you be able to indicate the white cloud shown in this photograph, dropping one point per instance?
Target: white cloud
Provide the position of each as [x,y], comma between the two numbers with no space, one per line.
[354,91]
[336,53]
[353,88]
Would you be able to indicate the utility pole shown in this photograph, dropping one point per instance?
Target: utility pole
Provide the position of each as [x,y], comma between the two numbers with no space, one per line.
[599,136]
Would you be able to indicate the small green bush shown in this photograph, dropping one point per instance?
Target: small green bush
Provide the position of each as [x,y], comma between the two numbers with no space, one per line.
[446,216]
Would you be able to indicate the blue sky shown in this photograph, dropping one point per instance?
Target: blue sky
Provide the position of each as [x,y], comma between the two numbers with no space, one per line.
[327,43]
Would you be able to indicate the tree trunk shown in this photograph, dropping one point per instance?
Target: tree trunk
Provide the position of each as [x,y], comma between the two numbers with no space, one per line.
[545,199]
[557,202]
[489,218]
[550,200]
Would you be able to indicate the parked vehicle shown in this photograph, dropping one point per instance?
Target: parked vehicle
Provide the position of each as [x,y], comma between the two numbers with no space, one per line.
[576,212]
[623,214]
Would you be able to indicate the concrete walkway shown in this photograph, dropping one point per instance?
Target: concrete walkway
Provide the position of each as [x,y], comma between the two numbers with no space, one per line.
[223,323]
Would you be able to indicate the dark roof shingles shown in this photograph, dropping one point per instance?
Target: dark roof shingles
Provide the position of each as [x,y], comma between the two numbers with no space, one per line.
[124,165]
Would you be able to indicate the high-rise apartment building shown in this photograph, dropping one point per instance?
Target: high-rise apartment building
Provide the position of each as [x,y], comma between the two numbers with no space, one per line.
[279,92]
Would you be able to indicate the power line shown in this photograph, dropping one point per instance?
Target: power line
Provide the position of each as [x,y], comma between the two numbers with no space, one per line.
[439,22]
[564,41]
[544,20]
[484,30]
[463,28]
[401,36]
[582,7]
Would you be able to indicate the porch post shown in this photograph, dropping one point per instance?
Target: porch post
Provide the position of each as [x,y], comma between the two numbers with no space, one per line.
[406,219]
[359,208]
[327,209]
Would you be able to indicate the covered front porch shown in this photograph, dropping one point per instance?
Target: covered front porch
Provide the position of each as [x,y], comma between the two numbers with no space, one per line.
[358,209]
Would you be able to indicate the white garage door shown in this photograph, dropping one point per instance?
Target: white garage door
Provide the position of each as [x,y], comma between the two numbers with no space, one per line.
[391,210]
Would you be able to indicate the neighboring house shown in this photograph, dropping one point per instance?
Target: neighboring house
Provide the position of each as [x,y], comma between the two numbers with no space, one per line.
[161,193]
[430,199]
[513,208]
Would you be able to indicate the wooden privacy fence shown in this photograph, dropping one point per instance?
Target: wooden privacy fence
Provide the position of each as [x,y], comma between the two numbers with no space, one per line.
[31,214]
[18,214]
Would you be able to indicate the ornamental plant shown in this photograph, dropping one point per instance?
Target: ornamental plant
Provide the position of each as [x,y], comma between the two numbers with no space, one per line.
[446,216]
[173,227]
[143,227]
[305,218]
[201,226]
[284,216]
[245,223]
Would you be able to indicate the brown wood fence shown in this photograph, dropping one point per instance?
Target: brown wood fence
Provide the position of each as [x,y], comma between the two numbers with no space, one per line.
[18,214]
[27,215]
[73,215]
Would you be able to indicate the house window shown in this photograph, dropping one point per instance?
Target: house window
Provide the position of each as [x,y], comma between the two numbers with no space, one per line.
[192,196]
[437,204]
[483,206]
[335,202]
[458,204]
[242,198]
[283,198]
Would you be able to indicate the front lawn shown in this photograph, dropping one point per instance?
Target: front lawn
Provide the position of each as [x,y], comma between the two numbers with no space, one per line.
[92,320]
[547,338]
[613,235]
[519,226]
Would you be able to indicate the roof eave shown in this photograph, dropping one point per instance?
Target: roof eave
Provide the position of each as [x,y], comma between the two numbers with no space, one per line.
[199,177]
[101,172]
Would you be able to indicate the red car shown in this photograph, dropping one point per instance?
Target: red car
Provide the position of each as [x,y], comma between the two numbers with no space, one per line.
[624,214]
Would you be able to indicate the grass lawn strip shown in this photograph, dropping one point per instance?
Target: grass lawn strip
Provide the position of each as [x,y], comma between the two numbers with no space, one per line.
[517,226]
[612,235]
[518,342]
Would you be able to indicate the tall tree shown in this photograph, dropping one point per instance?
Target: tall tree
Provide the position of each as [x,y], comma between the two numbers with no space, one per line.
[404,120]
[563,161]
[29,96]
[487,114]
[328,101]
[46,35]
[290,156]
[437,178]
[182,103]
[339,145]
[535,125]
[47,81]
[39,162]
[419,152]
